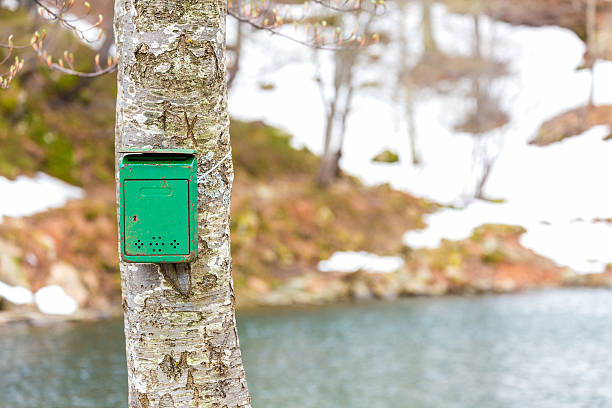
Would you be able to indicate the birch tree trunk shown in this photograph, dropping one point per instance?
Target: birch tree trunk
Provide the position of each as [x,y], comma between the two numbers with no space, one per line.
[182,351]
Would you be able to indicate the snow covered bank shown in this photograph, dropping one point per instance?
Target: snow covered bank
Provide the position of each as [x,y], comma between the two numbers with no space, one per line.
[49,299]
[26,196]
[364,261]
[16,294]
[554,192]
[559,220]
[53,300]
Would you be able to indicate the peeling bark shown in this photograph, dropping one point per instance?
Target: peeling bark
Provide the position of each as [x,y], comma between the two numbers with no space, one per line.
[182,349]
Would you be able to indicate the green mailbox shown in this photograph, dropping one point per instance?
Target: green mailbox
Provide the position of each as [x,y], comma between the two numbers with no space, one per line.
[158,206]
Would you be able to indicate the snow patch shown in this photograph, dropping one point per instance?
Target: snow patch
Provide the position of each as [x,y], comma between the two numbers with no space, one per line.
[10,4]
[53,300]
[356,261]
[558,218]
[26,196]
[16,294]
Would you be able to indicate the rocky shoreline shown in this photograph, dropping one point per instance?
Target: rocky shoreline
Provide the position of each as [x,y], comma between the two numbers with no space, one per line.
[321,289]
[27,317]
[318,289]
[490,261]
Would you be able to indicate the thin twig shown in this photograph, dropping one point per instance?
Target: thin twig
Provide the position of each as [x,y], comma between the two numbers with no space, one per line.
[64,70]
[272,31]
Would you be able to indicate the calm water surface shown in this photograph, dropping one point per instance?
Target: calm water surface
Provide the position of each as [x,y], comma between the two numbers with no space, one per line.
[548,349]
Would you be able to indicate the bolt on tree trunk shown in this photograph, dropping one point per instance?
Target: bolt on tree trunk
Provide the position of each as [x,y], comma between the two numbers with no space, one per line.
[182,350]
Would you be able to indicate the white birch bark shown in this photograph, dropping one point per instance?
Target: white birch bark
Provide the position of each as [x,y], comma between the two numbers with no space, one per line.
[182,351]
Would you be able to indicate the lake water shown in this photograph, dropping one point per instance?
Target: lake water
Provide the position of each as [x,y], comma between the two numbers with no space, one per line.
[540,349]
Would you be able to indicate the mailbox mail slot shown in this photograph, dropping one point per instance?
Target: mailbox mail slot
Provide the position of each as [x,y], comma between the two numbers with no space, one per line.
[158,209]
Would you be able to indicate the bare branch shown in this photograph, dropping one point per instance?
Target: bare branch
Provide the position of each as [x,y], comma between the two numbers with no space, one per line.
[342,43]
[59,16]
[68,71]
[339,9]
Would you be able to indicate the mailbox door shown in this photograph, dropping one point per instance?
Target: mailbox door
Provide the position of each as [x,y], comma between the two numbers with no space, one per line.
[156,217]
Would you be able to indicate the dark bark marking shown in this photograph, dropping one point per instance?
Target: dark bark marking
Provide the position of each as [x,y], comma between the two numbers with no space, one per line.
[167,366]
[191,127]
[209,281]
[190,382]
[196,396]
[143,400]
[164,116]
[221,388]
[173,369]
[166,401]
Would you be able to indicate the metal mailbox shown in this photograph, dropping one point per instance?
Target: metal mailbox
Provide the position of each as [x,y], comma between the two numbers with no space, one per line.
[158,206]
